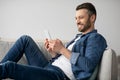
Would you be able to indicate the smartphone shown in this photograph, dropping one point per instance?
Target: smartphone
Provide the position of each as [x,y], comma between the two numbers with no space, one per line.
[47,34]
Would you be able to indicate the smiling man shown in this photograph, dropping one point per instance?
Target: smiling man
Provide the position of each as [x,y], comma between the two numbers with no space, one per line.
[85,18]
[75,61]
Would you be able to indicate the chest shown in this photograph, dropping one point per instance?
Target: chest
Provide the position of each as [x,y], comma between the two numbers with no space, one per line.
[80,45]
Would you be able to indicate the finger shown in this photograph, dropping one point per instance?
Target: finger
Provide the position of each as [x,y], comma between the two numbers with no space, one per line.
[49,49]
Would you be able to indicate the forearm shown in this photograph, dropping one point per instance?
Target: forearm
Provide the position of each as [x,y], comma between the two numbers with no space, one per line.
[65,52]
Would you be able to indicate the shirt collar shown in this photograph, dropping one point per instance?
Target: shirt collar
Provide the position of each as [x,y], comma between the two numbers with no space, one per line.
[80,34]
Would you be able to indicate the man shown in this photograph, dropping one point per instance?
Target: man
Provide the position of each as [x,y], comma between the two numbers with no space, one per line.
[76,61]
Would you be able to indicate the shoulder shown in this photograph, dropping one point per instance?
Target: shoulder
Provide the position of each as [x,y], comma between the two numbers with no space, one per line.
[97,39]
[96,36]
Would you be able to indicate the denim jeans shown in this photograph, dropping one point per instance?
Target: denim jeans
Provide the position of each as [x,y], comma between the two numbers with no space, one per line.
[38,68]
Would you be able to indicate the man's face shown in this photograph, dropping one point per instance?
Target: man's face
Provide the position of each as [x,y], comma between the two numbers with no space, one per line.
[83,20]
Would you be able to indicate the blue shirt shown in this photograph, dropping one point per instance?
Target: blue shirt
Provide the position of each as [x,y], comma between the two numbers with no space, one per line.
[86,54]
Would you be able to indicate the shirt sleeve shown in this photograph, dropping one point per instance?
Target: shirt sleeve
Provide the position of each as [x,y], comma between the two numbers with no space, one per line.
[84,64]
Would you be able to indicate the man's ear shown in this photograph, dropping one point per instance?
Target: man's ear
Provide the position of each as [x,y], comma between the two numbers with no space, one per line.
[93,17]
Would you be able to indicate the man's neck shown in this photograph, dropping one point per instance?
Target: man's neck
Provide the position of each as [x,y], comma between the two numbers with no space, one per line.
[89,30]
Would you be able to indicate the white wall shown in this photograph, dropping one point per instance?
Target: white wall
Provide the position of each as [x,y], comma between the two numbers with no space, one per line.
[31,17]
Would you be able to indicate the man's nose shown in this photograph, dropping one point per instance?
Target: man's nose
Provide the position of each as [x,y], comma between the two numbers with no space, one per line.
[77,21]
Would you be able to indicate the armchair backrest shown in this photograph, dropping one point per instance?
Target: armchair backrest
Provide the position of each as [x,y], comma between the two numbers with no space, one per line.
[108,66]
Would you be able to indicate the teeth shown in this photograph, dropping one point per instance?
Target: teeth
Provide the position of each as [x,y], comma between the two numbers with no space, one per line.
[79,25]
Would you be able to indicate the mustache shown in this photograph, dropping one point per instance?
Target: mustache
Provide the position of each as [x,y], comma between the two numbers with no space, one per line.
[79,24]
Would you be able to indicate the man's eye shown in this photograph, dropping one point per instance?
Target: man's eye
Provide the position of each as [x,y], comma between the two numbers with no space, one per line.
[80,17]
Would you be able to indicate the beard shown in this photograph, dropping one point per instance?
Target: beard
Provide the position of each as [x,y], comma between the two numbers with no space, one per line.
[85,27]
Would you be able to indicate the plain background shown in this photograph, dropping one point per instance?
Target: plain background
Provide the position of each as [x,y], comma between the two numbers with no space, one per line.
[32,17]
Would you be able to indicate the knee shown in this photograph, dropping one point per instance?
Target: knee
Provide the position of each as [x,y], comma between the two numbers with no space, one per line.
[9,64]
[25,38]
[8,68]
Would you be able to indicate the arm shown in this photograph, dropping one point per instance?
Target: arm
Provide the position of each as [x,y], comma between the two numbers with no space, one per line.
[58,47]
[86,55]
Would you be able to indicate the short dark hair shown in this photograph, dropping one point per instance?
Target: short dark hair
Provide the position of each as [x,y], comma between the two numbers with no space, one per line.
[89,6]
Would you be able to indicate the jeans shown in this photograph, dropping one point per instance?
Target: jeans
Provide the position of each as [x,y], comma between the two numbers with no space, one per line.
[38,68]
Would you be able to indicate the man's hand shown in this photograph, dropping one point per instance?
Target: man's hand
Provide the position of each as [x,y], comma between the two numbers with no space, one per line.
[58,47]
[46,43]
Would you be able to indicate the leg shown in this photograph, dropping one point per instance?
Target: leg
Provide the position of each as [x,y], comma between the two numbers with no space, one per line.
[26,45]
[23,72]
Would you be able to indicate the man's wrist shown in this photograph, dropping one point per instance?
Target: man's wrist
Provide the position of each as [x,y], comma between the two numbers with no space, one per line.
[65,52]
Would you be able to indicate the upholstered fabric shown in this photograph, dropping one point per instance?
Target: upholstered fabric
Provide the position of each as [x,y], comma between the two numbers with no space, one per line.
[5,46]
[108,66]
[107,70]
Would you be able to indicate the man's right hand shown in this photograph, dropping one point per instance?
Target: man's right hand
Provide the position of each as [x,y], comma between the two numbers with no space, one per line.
[46,43]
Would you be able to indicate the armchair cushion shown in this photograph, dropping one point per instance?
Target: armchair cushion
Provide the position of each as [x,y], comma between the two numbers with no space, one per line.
[108,66]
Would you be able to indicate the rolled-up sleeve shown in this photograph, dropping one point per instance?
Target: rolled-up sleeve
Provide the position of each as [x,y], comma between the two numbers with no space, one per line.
[74,57]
